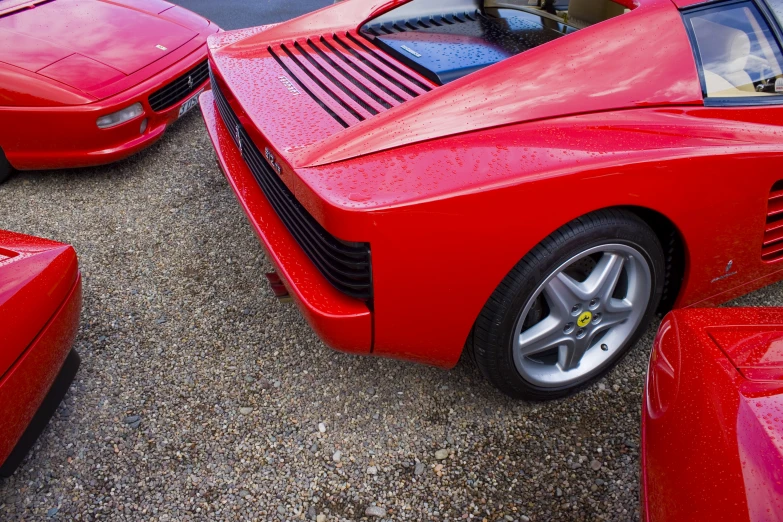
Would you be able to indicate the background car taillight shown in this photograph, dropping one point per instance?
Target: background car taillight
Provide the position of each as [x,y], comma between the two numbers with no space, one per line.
[119,117]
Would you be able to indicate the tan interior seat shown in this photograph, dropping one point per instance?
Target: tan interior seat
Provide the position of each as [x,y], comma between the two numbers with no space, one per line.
[724,53]
[582,13]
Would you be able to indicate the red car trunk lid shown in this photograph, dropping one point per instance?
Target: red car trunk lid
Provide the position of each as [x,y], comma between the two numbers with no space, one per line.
[35,278]
[323,83]
[117,36]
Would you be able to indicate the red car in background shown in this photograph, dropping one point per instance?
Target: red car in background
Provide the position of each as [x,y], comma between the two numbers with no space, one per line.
[87,82]
[712,419]
[40,304]
[531,183]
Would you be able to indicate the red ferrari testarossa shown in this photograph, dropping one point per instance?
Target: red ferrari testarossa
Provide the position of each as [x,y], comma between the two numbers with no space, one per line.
[533,183]
[712,419]
[40,304]
[87,82]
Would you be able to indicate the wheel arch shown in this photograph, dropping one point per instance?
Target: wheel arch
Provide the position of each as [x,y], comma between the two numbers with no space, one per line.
[674,249]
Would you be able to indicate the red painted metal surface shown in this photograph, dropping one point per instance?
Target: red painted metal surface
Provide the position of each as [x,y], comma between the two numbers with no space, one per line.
[63,64]
[475,173]
[682,4]
[40,295]
[712,435]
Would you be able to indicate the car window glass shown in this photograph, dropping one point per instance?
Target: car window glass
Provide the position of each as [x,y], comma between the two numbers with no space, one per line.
[738,53]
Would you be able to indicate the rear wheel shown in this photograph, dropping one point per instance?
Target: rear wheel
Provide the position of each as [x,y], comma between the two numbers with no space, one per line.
[5,167]
[572,307]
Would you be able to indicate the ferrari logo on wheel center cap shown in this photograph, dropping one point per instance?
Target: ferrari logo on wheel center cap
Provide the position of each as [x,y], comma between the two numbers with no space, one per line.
[584,319]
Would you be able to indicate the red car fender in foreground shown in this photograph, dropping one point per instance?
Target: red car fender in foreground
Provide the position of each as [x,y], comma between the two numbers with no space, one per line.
[40,304]
[712,417]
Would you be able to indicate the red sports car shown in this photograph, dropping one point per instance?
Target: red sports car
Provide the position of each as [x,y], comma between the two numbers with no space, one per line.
[40,303]
[86,82]
[530,183]
[712,421]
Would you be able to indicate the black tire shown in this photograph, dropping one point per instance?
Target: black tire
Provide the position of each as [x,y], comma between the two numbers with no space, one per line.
[491,337]
[5,168]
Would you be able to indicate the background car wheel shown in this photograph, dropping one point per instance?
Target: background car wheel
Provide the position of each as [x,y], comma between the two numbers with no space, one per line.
[5,167]
[572,307]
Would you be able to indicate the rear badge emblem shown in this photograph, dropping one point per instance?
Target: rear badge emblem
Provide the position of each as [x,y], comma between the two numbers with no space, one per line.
[238,136]
[409,50]
[289,85]
[190,83]
[271,159]
[161,47]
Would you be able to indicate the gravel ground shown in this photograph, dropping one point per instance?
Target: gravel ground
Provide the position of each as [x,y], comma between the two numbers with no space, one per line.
[201,397]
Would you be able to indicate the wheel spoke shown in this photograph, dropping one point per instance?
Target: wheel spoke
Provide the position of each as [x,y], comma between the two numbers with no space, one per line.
[604,277]
[617,314]
[543,336]
[570,354]
[562,292]
[614,305]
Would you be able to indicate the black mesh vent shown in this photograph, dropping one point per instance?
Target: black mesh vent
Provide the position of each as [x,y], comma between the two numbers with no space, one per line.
[345,265]
[402,26]
[180,88]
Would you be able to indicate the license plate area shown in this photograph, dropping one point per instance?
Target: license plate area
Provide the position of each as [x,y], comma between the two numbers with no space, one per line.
[189,103]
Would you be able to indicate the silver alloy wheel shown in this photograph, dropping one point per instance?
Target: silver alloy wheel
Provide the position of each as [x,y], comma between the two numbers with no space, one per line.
[584,319]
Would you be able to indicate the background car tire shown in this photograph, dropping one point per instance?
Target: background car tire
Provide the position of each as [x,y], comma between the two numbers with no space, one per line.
[5,167]
[496,328]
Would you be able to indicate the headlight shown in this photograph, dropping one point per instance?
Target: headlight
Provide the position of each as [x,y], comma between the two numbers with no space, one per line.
[128,113]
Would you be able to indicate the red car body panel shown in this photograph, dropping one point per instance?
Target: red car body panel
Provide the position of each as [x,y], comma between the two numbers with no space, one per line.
[712,419]
[65,63]
[40,295]
[427,182]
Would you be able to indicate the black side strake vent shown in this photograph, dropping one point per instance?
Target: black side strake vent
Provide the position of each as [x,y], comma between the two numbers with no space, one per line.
[180,88]
[772,248]
[345,265]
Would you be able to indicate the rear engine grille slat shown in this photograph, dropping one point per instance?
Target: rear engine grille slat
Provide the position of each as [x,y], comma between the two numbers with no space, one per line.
[377,80]
[316,77]
[307,90]
[348,78]
[345,265]
[372,55]
[772,244]
[358,81]
[401,82]
[180,88]
[348,88]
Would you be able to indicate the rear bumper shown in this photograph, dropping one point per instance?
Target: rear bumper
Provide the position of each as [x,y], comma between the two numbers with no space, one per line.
[342,322]
[25,388]
[68,137]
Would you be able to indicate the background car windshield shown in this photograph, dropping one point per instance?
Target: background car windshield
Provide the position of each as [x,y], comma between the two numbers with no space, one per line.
[738,53]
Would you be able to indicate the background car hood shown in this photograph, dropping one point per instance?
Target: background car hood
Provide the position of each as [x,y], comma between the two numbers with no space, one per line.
[104,40]
[36,276]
